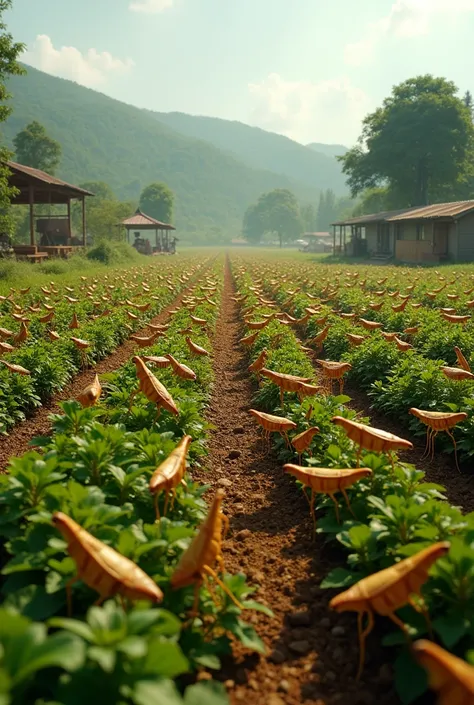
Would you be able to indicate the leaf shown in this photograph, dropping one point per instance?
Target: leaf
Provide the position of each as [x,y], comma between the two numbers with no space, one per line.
[160,621]
[159,692]
[106,658]
[75,626]
[62,649]
[248,636]
[209,692]
[333,451]
[451,628]
[410,679]
[340,578]
[342,399]
[165,659]
[257,607]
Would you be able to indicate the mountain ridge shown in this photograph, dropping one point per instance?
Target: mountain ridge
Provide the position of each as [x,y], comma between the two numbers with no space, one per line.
[104,139]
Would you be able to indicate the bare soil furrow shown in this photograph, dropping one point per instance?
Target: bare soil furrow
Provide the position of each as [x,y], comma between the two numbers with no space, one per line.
[312,653]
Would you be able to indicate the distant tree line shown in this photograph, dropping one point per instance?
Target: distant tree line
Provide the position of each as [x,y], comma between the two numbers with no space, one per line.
[278,214]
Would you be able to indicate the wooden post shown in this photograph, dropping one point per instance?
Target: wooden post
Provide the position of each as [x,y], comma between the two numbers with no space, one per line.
[334,239]
[69,228]
[83,221]
[31,195]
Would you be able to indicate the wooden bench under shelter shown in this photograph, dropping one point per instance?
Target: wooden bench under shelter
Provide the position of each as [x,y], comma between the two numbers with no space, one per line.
[29,253]
[34,187]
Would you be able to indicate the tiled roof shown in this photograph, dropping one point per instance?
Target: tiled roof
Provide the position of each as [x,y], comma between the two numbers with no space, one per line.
[453,210]
[141,219]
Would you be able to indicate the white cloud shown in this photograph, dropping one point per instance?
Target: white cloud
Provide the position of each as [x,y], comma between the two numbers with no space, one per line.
[327,111]
[90,69]
[150,7]
[406,18]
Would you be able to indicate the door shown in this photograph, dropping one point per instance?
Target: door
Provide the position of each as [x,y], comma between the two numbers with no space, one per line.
[383,239]
[440,239]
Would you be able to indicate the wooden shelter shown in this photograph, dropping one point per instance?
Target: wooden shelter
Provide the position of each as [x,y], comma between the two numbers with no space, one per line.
[140,221]
[37,187]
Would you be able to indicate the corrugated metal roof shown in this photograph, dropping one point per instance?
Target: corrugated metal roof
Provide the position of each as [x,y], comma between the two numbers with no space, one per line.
[44,177]
[141,219]
[371,218]
[455,209]
[436,210]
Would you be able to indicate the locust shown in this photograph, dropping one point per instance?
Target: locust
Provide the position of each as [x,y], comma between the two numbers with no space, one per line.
[90,394]
[437,421]
[196,563]
[389,590]
[102,568]
[169,474]
[327,481]
[451,677]
[152,388]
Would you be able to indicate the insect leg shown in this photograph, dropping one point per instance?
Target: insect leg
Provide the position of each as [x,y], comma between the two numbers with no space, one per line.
[455,448]
[69,585]
[157,509]
[167,498]
[313,514]
[433,436]
[336,506]
[224,587]
[421,608]
[100,600]
[363,634]
[396,620]
[428,432]
[132,397]
[344,494]
[210,590]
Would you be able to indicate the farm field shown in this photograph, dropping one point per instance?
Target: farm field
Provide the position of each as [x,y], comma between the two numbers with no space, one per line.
[326,409]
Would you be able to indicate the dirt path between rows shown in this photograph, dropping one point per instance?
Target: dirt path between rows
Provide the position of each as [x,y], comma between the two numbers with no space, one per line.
[312,652]
[38,424]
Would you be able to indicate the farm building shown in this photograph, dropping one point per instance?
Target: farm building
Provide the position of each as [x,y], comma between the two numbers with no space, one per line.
[435,233]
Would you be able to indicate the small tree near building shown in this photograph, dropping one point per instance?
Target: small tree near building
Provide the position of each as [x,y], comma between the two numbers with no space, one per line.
[35,148]
[157,201]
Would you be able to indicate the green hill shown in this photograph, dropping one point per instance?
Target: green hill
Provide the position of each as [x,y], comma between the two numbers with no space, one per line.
[330,150]
[263,150]
[104,139]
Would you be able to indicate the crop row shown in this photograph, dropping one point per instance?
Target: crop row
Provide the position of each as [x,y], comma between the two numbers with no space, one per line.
[393,513]
[95,468]
[55,331]
[397,374]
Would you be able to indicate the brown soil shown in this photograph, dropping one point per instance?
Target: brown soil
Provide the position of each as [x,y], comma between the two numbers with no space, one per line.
[312,652]
[38,424]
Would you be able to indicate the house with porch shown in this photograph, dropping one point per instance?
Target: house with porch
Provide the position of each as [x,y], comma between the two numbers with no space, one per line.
[435,233]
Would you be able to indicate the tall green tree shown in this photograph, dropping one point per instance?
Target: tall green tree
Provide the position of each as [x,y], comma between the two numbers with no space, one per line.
[157,200]
[104,212]
[275,212]
[309,217]
[419,142]
[9,54]
[34,147]
[254,226]
[327,210]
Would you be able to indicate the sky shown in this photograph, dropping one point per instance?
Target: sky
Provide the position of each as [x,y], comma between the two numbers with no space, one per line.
[307,69]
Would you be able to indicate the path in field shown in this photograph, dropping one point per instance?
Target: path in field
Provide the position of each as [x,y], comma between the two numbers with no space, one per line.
[38,424]
[312,653]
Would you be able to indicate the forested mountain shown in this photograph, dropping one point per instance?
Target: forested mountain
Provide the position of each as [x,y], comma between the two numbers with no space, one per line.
[103,139]
[330,150]
[263,150]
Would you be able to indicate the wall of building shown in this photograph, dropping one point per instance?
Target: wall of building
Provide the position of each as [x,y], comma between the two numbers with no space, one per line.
[371,237]
[465,237]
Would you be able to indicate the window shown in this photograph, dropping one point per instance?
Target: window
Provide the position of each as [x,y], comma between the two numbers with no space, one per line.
[420,231]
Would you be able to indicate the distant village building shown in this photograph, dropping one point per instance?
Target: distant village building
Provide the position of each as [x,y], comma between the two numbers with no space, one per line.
[435,233]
